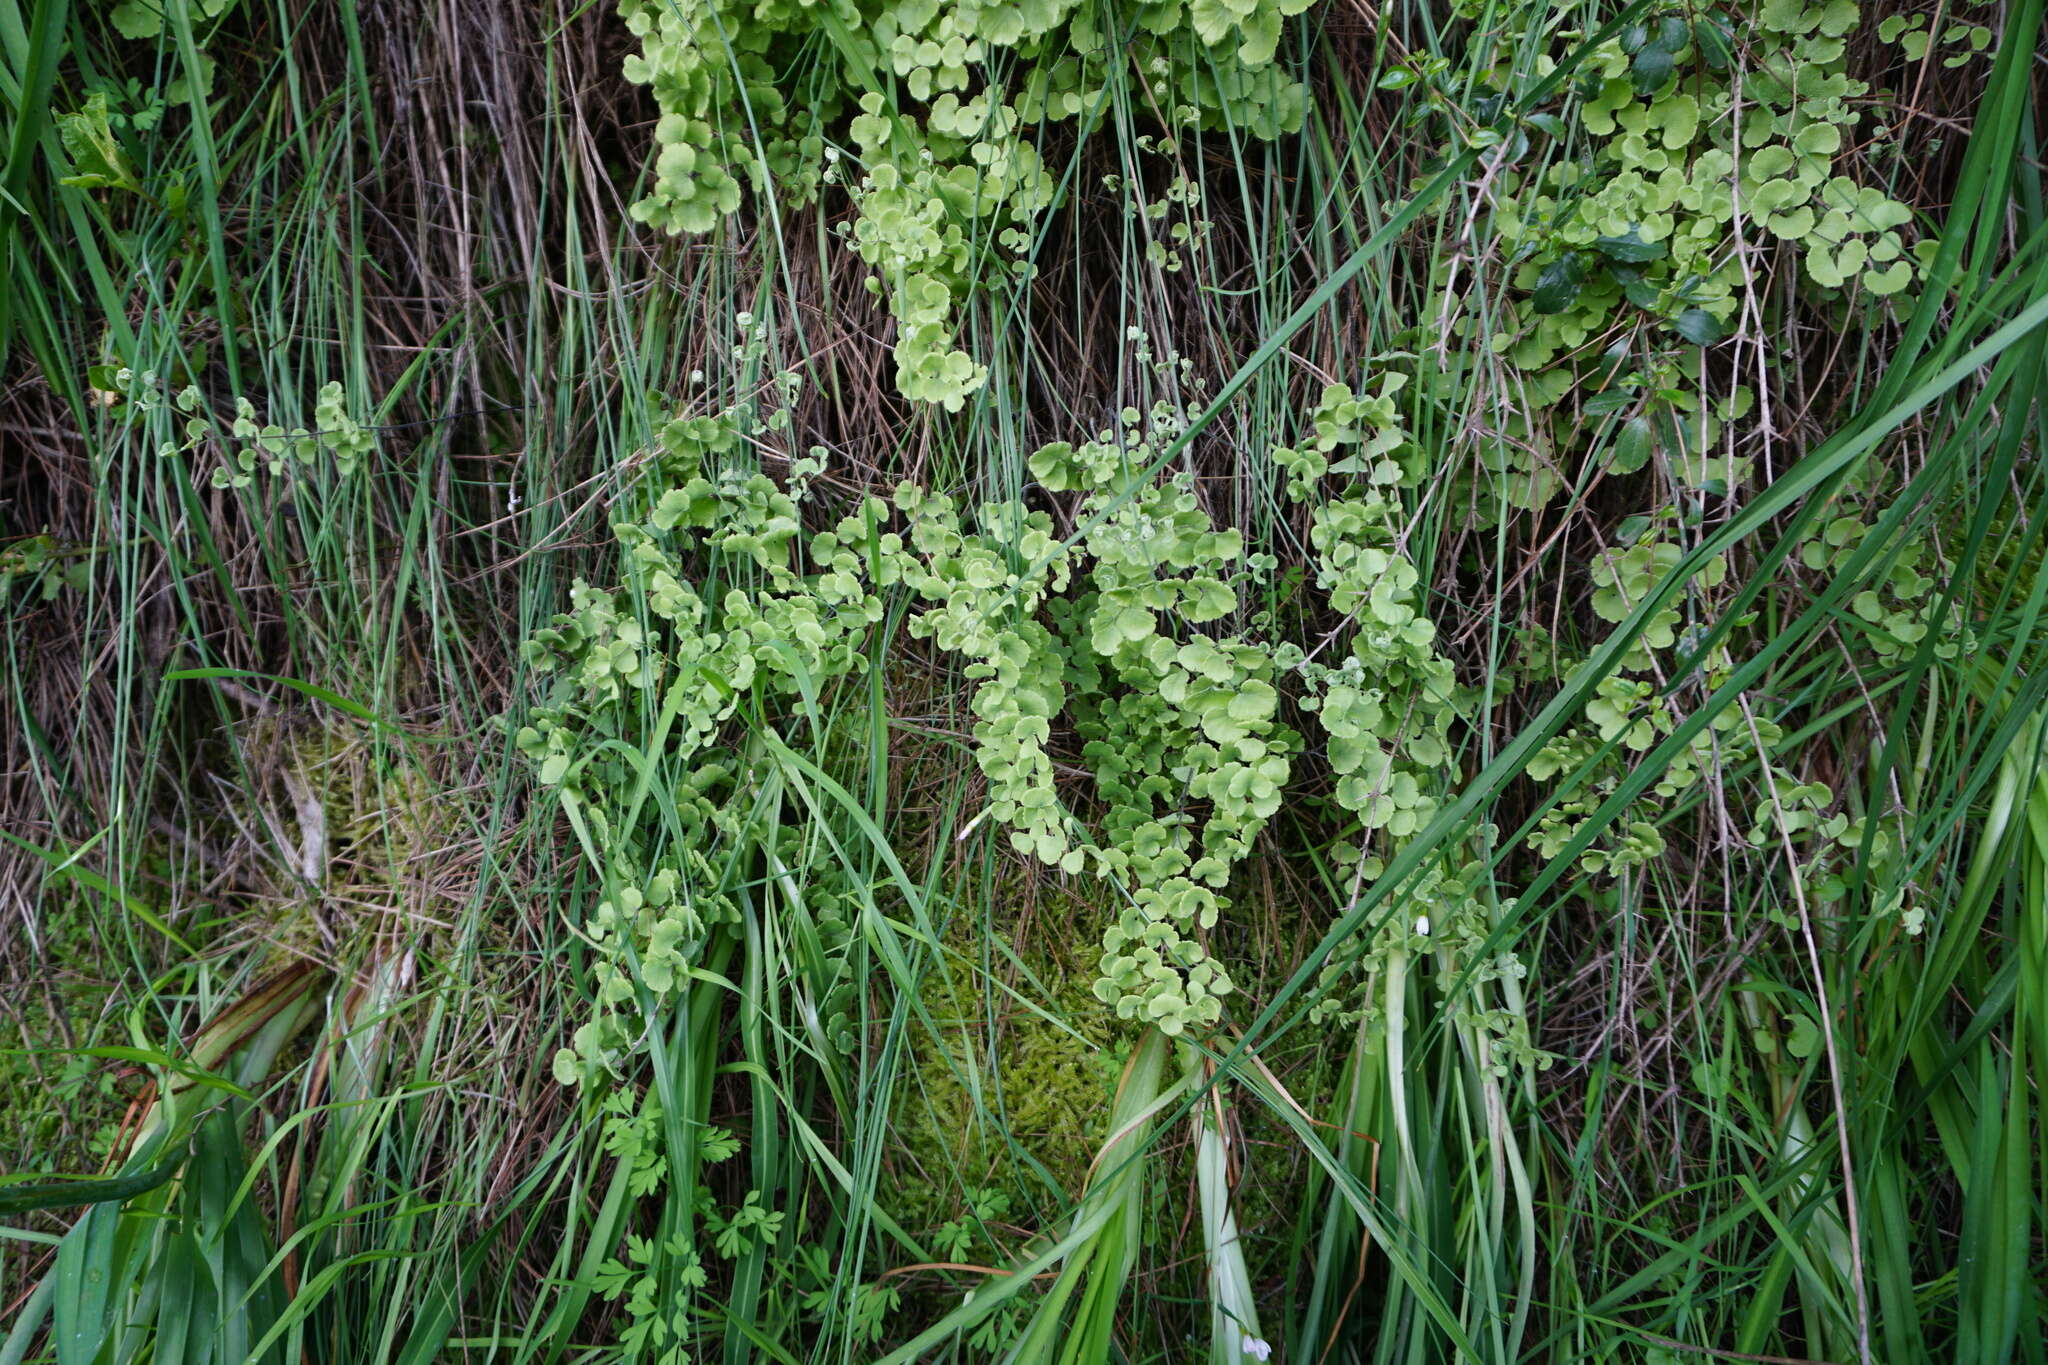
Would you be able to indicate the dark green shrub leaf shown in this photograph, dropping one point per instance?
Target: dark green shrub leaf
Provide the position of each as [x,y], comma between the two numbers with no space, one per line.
[1609,402]
[1698,326]
[1715,41]
[1631,247]
[1633,446]
[1557,288]
[1652,68]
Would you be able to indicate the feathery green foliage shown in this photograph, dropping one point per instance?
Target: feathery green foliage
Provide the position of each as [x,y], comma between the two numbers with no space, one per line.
[1076,681]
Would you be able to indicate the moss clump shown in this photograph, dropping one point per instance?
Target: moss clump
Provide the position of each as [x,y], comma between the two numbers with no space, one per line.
[351,818]
[999,1115]
[59,1109]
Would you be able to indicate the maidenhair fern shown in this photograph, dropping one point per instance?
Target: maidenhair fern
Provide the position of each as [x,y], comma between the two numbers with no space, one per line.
[1626,221]
[945,104]
[241,448]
